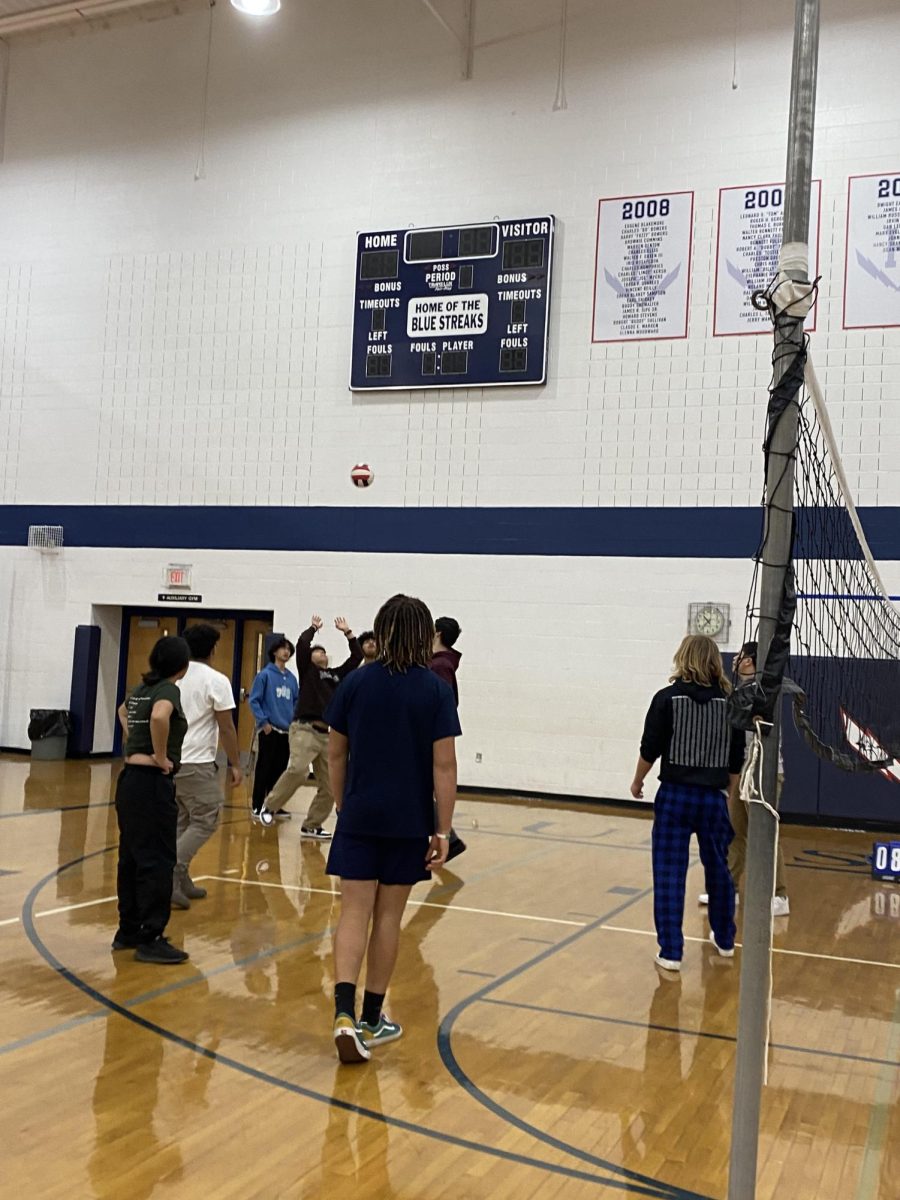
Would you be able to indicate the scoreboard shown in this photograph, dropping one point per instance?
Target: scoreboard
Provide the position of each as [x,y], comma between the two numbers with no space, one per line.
[452,306]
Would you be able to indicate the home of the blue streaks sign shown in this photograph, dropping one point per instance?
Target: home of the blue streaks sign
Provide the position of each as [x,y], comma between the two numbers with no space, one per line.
[454,306]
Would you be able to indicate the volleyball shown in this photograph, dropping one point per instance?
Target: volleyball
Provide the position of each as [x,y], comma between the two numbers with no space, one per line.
[362,475]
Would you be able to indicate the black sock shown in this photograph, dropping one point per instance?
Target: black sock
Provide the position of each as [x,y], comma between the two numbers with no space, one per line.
[345,999]
[371,1010]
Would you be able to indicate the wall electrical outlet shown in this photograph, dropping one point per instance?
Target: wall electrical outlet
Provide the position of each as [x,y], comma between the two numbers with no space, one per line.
[478,756]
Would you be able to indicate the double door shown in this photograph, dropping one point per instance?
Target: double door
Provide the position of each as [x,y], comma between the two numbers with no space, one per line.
[240,652]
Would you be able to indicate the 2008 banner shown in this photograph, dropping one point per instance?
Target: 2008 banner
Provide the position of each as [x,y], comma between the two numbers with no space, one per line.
[643,267]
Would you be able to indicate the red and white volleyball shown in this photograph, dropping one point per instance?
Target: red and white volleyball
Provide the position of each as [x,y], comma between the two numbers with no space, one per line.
[362,475]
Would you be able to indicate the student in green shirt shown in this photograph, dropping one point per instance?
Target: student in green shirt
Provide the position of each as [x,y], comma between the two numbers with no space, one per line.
[154,726]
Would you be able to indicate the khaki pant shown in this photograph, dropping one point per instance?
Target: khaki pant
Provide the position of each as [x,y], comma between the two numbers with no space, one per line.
[308,748]
[199,800]
[737,851]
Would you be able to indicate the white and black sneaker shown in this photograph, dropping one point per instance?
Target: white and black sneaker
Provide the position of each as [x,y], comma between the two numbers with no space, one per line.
[262,816]
[315,831]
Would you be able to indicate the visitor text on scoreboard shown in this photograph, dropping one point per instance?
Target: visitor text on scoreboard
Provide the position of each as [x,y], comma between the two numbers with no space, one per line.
[455,306]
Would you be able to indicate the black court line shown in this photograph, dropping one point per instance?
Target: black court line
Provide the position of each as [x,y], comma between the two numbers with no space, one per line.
[697,1033]
[660,1192]
[633,1180]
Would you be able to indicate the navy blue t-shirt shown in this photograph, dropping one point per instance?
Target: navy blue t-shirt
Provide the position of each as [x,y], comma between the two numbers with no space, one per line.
[392,721]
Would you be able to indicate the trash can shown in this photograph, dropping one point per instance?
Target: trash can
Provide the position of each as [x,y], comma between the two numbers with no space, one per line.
[48,731]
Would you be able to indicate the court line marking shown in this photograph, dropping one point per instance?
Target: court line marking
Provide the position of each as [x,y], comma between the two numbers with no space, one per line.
[657,1192]
[697,1033]
[866,962]
[630,1178]
[484,912]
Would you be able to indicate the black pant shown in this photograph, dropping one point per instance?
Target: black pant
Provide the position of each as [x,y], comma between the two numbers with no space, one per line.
[272,753]
[148,816]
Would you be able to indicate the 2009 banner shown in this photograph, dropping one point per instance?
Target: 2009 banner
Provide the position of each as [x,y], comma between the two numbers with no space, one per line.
[643,267]
[872,265]
[751,223]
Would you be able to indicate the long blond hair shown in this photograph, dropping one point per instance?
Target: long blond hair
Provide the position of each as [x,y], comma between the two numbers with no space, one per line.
[697,660]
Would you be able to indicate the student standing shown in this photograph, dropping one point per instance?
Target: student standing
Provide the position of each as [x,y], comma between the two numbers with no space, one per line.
[745,669]
[445,662]
[308,738]
[154,725]
[687,728]
[392,756]
[208,704]
[272,699]
[368,646]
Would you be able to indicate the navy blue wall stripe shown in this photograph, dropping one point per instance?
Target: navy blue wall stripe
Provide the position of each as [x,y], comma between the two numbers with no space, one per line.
[610,532]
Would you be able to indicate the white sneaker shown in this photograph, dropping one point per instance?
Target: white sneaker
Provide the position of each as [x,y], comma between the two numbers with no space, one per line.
[724,953]
[780,906]
[667,964]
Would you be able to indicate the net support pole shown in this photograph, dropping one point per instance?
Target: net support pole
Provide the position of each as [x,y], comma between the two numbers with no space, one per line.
[756,899]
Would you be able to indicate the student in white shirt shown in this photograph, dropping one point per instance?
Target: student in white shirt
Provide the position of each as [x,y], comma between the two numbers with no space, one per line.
[208,704]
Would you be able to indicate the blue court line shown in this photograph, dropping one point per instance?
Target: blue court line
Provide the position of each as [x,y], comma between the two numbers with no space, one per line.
[697,1033]
[657,1193]
[631,1179]
[483,974]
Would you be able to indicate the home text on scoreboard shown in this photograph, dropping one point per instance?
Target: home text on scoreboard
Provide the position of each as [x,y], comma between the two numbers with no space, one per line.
[454,306]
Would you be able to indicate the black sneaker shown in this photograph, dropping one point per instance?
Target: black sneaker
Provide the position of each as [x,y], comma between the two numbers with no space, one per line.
[160,951]
[121,942]
[315,831]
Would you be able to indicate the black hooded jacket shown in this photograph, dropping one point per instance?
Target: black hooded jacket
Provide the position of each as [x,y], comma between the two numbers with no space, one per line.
[687,728]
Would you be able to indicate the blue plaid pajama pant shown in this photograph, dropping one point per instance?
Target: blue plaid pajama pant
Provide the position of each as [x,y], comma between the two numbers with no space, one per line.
[680,810]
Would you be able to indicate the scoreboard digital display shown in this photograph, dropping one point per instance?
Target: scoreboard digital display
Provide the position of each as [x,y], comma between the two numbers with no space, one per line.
[452,306]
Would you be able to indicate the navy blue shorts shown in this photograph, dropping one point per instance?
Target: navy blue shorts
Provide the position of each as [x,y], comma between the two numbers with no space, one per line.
[389,860]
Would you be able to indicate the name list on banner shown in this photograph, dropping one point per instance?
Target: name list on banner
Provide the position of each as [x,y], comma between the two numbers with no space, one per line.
[751,224]
[643,267]
[872,268]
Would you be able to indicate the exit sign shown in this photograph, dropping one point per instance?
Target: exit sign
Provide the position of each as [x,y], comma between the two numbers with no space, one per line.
[178,575]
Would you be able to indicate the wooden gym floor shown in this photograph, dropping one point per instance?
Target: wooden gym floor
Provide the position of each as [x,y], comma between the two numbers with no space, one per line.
[544,1055]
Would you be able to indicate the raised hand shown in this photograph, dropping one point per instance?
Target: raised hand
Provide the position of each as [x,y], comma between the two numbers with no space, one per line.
[342,624]
[316,621]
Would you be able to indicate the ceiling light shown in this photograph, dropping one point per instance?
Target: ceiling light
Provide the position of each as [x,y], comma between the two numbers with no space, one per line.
[257,8]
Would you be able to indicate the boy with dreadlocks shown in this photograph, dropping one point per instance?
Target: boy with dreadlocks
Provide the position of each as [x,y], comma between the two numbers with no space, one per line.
[391,754]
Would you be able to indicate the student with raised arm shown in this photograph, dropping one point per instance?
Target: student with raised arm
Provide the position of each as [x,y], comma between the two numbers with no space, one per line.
[687,728]
[393,768]
[308,736]
[154,726]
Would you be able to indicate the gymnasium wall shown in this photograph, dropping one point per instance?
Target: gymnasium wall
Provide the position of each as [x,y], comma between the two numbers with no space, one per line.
[180,341]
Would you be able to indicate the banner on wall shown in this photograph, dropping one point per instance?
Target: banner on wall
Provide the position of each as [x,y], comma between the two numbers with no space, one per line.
[751,223]
[642,268]
[872,264]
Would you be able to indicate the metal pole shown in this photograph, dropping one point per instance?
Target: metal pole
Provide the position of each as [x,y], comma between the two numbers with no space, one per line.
[757,896]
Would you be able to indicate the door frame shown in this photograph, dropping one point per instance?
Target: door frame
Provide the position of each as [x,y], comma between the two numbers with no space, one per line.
[182,616]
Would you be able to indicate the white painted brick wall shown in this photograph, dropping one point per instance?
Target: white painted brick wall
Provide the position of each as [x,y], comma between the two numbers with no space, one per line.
[166,339]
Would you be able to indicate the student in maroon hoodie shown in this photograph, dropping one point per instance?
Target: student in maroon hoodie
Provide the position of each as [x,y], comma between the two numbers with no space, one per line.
[444,659]
[445,663]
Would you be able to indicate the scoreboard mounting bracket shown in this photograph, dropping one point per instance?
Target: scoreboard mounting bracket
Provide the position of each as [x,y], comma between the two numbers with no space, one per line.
[452,306]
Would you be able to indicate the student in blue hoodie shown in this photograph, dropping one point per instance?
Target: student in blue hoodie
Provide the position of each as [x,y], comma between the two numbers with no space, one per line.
[272,699]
